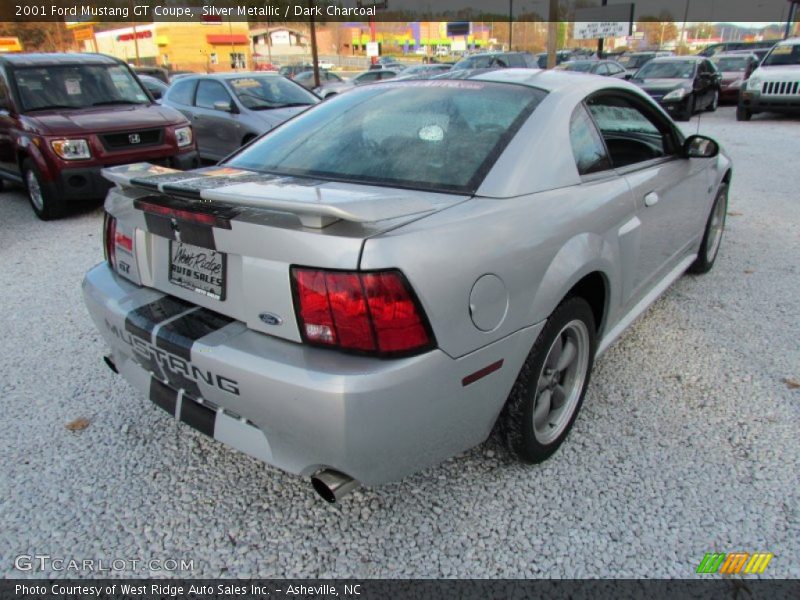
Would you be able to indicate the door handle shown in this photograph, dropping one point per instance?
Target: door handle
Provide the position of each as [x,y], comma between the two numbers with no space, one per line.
[650,199]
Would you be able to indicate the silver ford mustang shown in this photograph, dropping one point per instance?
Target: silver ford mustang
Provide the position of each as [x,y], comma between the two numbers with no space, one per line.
[372,286]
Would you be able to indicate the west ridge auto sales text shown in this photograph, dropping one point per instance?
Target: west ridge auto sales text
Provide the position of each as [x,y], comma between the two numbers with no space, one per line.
[171,590]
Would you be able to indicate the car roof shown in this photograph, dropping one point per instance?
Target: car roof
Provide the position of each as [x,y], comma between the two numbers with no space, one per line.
[43,59]
[233,75]
[679,58]
[556,82]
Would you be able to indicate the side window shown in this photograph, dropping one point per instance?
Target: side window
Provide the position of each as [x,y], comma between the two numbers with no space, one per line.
[614,69]
[209,92]
[5,101]
[516,60]
[367,78]
[631,132]
[587,145]
[181,92]
[602,69]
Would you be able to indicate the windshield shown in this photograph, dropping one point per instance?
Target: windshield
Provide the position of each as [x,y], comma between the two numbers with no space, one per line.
[269,91]
[582,67]
[672,69]
[782,55]
[633,62]
[732,63]
[436,135]
[77,86]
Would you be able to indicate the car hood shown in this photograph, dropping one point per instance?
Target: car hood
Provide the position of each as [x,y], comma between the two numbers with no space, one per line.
[86,121]
[778,73]
[662,85]
[275,116]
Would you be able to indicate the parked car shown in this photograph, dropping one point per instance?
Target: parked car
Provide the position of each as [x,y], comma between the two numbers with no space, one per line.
[156,72]
[636,60]
[607,68]
[291,71]
[735,68]
[331,89]
[501,60]
[228,110]
[775,85]
[714,49]
[66,116]
[306,78]
[155,86]
[285,301]
[683,85]
[562,56]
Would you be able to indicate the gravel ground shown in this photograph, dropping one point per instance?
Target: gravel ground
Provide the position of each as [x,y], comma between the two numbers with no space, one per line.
[688,441]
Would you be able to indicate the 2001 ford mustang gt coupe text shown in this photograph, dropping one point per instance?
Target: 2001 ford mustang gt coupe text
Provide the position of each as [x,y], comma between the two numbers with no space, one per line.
[369,288]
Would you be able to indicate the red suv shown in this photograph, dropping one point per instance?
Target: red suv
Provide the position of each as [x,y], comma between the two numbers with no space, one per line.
[63,117]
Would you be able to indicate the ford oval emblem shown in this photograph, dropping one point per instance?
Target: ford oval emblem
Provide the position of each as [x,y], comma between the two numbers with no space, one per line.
[270,319]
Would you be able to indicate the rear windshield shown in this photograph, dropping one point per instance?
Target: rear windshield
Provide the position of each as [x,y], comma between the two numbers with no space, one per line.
[582,67]
[783,55]
[482,62]
[634,62]
[77,86]
[732,63]
[434,135]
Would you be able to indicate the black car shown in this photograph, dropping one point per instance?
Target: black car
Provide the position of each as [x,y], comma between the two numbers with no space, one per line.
[492,60]
[606,68]
[562,56]
[682,85]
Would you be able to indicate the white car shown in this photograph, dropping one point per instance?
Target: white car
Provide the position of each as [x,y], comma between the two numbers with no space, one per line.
[775,85]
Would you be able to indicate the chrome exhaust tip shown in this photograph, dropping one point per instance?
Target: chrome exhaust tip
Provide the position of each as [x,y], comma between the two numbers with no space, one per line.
[110,363]
[332,485]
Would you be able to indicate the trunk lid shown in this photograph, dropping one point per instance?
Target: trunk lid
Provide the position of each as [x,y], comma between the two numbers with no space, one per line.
[225,238]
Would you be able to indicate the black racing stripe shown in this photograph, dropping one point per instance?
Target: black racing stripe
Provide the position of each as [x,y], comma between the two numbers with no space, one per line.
[163,396]
[198,416]
[158,225]
[177,337]
[141,321]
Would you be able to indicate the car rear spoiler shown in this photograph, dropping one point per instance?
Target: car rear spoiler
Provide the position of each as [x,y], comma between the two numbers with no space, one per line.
[316,205]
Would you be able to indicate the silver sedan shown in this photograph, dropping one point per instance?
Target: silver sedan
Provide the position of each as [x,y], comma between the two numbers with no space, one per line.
[228,110]
[378,283]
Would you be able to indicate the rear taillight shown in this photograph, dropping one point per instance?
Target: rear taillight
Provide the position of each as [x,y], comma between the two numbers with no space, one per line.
[372,313]
[109,240]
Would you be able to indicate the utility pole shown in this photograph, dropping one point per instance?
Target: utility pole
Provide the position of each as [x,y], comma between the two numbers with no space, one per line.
[790,19]
[135,36]
[601,41]
[552,33]
[314,53]
[510,23]
[683,28]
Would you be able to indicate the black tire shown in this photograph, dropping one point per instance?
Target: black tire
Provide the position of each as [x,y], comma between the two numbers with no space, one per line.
[517,419]
[48,206]
[714,102]
[743,114]
[705,258]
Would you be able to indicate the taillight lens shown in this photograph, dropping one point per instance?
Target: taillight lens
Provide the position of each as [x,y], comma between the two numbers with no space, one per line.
[110,239]
[373,313]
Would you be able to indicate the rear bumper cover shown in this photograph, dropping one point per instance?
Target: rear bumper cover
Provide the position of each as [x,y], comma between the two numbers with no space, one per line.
[296,407]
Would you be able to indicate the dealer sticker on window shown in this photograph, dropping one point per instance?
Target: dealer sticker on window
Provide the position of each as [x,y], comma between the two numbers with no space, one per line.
[198,269]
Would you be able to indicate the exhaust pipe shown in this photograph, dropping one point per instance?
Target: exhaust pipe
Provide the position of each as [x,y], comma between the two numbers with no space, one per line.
[110,363]
[333,485]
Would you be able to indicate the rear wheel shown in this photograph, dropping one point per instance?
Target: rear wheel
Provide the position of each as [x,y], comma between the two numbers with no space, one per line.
[712,237]
[43,201]
[549,390]
[743,114]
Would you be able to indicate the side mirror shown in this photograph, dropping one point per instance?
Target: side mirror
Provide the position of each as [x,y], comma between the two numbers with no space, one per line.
[628,76]
[700,146]
[224,106]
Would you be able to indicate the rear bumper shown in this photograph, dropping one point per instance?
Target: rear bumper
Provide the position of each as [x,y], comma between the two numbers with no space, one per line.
[86,183]
[760,103]
[296,407]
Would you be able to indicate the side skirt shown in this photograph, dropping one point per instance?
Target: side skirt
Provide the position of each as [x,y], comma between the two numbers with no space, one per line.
[643,304]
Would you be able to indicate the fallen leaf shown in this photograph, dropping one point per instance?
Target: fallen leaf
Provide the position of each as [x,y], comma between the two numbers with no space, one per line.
[749,271]
[734,213]
[792,384]
[78,424]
